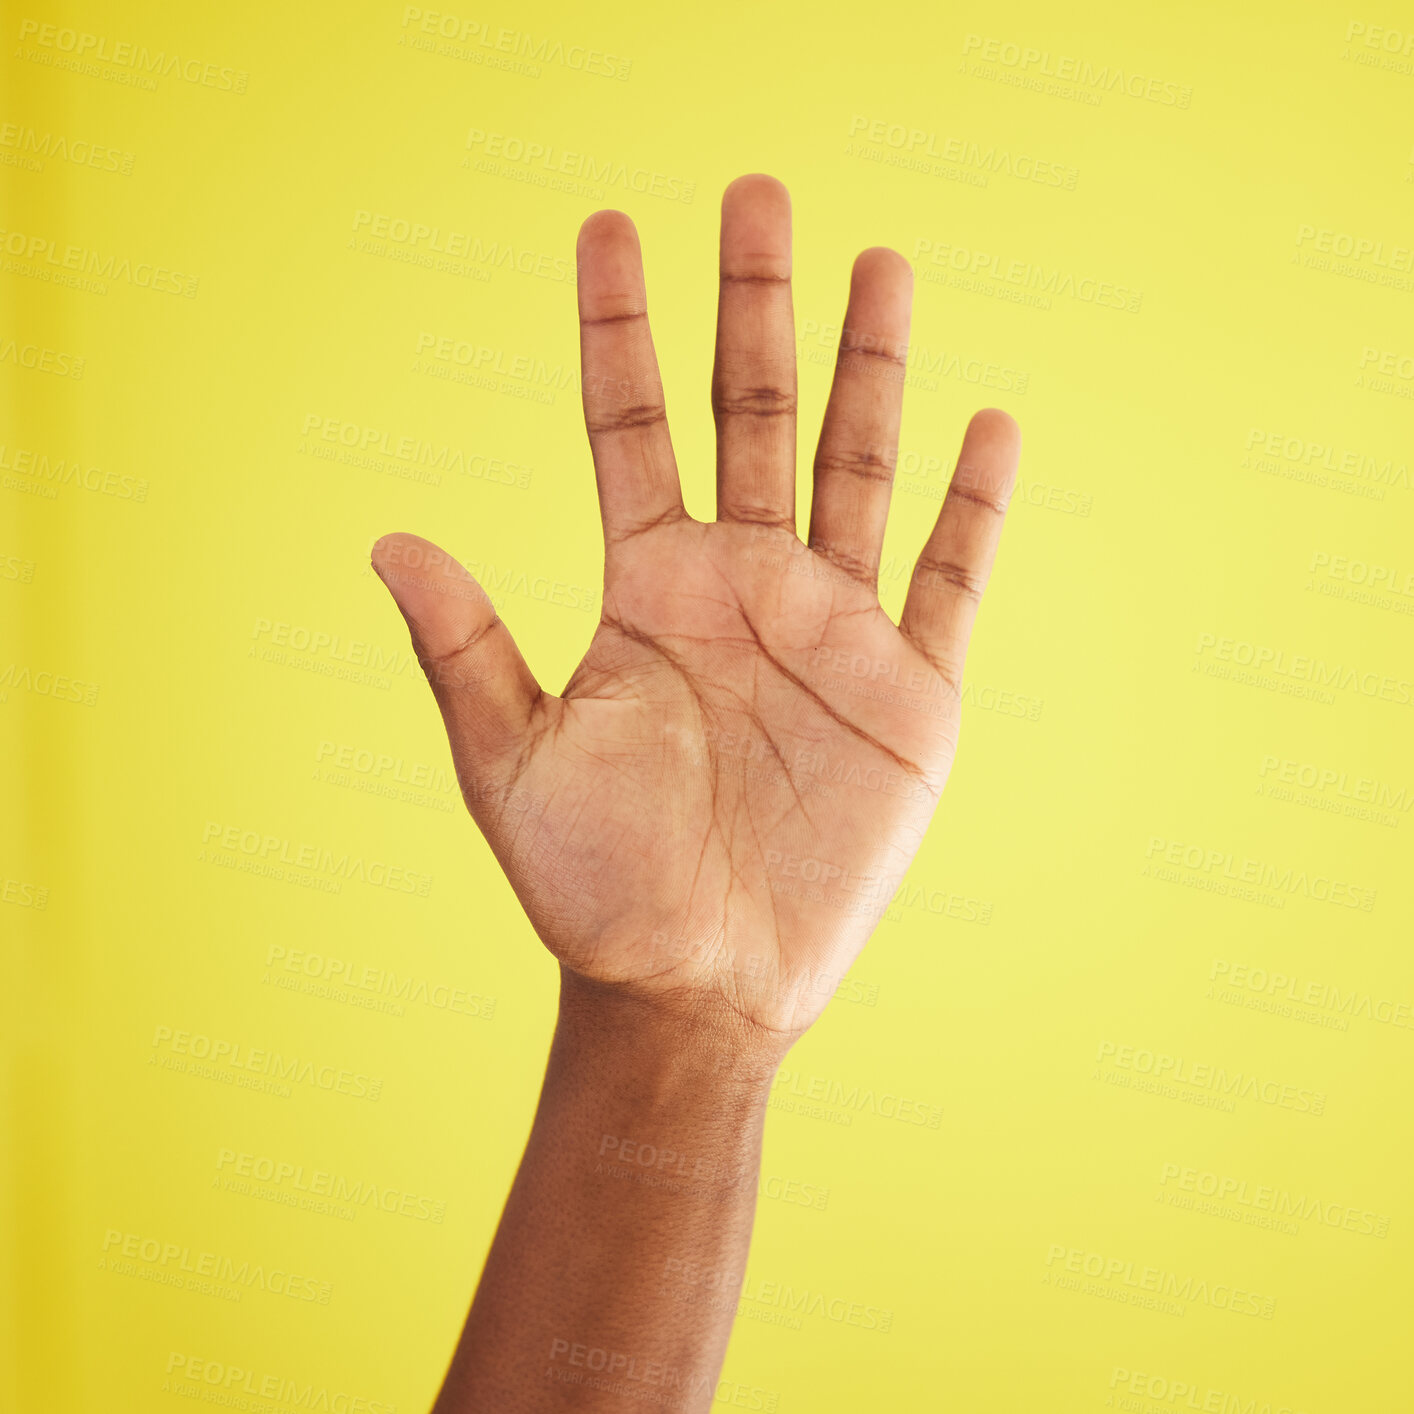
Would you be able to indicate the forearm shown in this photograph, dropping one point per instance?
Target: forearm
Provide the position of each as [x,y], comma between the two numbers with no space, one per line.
[619,1258]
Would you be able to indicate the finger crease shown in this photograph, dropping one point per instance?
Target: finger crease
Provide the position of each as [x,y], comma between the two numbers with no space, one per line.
[975,498]
[757,515]
[864,351]
[644,416]
[732,279]
[471,640]
[755,402]
[867,466]
[848,564]
[667,517]
[952,574]
[587,321]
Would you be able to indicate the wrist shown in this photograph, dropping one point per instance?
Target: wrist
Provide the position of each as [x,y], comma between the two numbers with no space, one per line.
[669,1045]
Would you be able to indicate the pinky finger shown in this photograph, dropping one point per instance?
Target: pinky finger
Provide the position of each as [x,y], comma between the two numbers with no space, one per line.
[953,569]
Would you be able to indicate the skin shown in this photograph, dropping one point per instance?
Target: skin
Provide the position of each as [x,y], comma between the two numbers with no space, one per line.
[662,820]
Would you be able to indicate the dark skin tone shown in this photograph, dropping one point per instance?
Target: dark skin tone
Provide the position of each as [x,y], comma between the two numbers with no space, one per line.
[702,900]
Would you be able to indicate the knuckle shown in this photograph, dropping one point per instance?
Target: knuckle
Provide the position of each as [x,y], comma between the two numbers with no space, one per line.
[763,401]
[974,496]
[866,464]
[949,572]
[625,419]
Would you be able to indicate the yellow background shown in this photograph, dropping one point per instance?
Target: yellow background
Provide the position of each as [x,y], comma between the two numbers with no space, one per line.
[1157,541]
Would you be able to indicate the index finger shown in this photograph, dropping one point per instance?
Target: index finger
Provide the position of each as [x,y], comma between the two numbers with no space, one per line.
[624,412]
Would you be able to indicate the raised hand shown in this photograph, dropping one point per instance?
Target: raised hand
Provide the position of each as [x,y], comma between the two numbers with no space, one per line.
[717,808]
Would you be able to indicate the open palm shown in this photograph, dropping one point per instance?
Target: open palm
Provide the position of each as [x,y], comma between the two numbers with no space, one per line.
[722,801]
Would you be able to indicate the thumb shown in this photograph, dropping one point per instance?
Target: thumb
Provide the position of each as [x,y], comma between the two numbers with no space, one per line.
[482,685]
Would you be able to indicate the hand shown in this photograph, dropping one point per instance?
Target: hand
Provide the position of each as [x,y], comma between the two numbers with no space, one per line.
[663,821]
